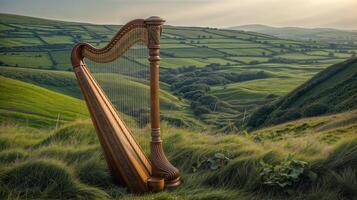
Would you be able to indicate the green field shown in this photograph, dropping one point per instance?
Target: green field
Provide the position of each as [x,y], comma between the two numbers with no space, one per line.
[19,41]
[35,43]
[27,59]
[36,106]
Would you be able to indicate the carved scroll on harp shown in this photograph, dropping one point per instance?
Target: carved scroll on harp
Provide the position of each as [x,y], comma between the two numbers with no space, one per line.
[126,159]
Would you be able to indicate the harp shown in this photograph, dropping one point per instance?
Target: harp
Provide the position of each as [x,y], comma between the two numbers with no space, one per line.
[129,164]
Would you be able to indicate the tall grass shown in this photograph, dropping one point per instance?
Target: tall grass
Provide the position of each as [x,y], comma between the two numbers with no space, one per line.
[68,163]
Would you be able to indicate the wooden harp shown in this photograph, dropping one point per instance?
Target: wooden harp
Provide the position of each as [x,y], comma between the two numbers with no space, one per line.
[125,158]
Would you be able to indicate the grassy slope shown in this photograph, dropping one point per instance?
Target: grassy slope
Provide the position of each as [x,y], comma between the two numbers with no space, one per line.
[334,89]
[72,159]
[27,103]
[173,110]
[59,81]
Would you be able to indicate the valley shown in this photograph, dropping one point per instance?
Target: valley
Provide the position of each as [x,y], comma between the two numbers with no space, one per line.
[244,115]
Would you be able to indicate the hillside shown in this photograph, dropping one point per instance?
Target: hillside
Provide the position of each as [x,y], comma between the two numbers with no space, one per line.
[296,33]
[68,163]
[236,71]
[211,82]
[331,91]
[35,106]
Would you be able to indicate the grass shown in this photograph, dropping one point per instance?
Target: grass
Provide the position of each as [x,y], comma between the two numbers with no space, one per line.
[330,91]
[66,162]
[174,62]
[59,81]
[247,60]
[26,59]
[300,56]
[192,52]
[278,86]
[36,106]
[189,33]
[81,172]
[62,59]
[132,99]
[25,38]
[57,39]
[247,52]
[19,41]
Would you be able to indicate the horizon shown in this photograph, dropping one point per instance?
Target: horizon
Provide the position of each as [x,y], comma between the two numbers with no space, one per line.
[228,27]
[202,13]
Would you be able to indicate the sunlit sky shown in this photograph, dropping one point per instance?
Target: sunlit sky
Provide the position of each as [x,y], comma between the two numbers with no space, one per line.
[214,13]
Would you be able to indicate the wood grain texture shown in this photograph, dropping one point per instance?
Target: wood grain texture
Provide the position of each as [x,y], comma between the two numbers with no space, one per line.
[126,159]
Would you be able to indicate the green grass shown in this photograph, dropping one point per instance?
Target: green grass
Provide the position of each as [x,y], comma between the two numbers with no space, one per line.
[26,59]
[177,62]
[247,52]
[192,52]
[278,86]
[36,106]
[96,28]
[189,33]
[173,45]
[300,56]
[62,59]
[57,39]
[5,28]
[247,60]
[132,99]
[330,91]
[235,45]
[59,81]
[19,41]
[328,145]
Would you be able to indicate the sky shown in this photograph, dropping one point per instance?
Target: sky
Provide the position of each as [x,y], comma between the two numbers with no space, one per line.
[339,14]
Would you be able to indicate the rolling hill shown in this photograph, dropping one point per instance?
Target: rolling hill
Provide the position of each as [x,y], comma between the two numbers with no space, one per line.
[35,106]
[308,158]
[296,33]
[29,44]
[331,91]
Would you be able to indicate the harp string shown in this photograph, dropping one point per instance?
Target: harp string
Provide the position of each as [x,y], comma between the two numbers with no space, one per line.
[125,81]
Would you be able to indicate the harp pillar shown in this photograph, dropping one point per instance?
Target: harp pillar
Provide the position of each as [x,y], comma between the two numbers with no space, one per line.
[161,167]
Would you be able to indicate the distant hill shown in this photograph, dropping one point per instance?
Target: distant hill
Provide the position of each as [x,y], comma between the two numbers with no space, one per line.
[333,90]
[296,33]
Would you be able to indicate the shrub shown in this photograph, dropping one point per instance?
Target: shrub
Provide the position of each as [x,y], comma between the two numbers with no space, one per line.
[283,174]
[201,110]
[315,110]
[209,100]
[215,162]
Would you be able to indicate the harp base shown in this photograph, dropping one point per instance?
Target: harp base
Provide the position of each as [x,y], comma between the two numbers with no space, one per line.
[173,183]
[156,184]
